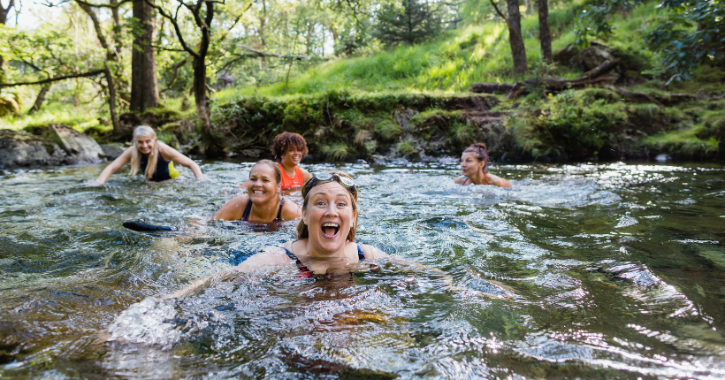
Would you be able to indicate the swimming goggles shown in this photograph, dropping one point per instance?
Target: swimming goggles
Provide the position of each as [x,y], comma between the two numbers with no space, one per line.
[347,183]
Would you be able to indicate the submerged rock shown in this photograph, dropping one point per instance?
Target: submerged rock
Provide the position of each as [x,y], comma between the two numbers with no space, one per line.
[22,149]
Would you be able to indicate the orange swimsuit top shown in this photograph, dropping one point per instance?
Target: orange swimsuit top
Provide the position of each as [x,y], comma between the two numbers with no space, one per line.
[289,182]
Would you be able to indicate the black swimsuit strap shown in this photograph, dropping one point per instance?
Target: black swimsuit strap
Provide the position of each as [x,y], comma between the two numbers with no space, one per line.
[279,213]
[247,211]
[360,253]
[304,272]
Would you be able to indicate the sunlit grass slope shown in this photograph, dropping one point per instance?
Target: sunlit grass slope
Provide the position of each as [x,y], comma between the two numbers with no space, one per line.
[451,63]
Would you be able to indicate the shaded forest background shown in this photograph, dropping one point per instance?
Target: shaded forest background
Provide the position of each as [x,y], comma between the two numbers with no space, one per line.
[102,66]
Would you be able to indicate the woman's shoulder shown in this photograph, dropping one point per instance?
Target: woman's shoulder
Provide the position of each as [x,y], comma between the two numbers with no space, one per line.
[498,181]
[461,179]
[291,210]
[371,252]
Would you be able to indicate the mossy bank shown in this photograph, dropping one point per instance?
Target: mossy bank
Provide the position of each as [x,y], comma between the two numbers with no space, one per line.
[593,123]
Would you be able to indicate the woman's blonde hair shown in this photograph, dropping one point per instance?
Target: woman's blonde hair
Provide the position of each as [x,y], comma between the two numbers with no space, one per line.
[153,157]
[302,230]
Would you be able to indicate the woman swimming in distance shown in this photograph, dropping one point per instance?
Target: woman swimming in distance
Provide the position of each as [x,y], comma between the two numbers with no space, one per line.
[474,163]
[152,157]
[288,149]
[325,241]
[263,202]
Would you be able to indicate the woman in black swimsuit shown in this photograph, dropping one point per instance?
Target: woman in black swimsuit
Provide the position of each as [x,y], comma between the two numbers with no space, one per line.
[263,202]
[151,157]
[326,236]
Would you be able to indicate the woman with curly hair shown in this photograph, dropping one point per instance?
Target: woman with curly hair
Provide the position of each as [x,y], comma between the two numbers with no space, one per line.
[474,164]
[289,149]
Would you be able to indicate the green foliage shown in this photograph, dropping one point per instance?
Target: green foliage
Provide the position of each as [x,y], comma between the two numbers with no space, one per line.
[406,149]
[571,126]
[689,35]
[691,142]
[595,19]
[10,103]
[414,22]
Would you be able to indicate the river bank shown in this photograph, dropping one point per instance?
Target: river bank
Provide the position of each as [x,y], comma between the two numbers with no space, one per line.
[574,125]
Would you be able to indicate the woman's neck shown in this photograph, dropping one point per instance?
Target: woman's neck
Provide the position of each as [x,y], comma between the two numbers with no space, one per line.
[478,178]
[289,170]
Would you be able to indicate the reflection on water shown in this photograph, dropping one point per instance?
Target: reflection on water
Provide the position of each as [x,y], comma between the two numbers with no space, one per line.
[579,271]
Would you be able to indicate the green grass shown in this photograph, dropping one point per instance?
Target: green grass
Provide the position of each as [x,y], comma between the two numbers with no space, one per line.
[458,58]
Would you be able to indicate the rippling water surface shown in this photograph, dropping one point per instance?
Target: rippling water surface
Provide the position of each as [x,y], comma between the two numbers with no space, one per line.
[580,271]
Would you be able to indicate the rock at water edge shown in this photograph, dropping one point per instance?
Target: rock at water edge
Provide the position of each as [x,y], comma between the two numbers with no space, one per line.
[20,149]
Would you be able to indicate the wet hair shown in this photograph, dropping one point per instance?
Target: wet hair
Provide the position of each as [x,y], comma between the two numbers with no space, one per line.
[302,230]
[273,165]
[153,157]
[286,140]
[479,151]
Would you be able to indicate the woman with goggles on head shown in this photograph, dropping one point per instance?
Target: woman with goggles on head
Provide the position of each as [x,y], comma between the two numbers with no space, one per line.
[474,164]
[325,243]
[263,202]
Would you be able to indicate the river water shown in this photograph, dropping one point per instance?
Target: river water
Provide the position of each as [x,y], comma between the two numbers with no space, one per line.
[613,270]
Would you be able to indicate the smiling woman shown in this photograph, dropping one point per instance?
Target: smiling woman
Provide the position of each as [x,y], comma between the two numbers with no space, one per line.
[150,156]
[325,244]
[263,202]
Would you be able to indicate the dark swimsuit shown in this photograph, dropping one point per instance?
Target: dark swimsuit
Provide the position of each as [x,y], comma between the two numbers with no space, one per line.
[248,210]
[164,169]
[306,273]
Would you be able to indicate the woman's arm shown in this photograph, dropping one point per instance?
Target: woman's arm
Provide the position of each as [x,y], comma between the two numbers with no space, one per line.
[232,210]
[243,185]
[268,256]
[291,210]
[169,153]
[121,160]
[460,180]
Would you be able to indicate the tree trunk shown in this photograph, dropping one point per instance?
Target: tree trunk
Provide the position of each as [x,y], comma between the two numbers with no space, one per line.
[110,57]
[144,87]
[545,31]
[4,19]
[262,38]
[117,38]
[516,39]
[4,12]
[112,100]
[40,99]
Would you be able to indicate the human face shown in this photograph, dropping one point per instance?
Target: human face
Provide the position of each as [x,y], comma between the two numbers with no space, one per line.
[292,157]
[145,144]
[470,165]
[329,217]
[262,186]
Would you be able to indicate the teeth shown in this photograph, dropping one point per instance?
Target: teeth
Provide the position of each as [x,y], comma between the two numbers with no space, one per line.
[334,225]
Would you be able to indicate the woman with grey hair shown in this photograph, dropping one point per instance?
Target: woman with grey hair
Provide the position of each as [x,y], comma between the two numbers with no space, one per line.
[151,157]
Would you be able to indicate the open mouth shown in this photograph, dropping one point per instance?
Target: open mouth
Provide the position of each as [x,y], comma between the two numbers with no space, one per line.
[330,230]
[258,192]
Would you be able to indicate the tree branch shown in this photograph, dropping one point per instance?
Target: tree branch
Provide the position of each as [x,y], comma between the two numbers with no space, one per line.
[259,53]
[54,79]
[175,24]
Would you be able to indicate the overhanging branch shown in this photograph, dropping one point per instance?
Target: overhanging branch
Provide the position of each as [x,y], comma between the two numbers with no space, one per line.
[54,79]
